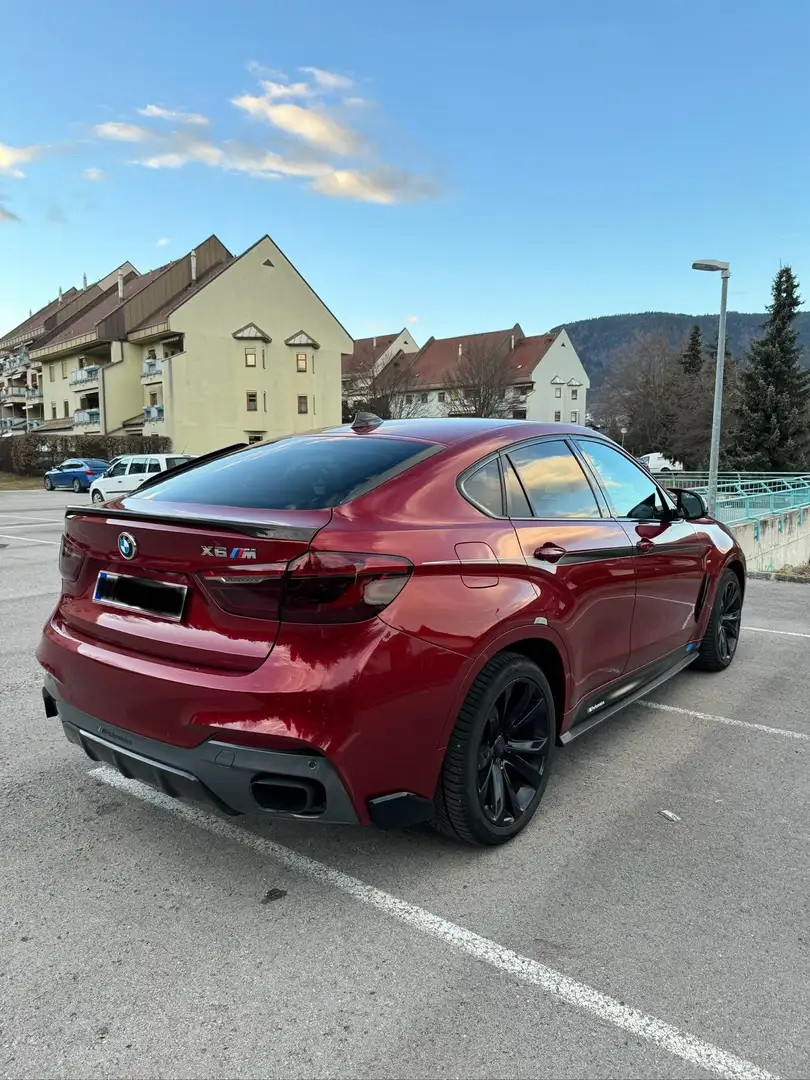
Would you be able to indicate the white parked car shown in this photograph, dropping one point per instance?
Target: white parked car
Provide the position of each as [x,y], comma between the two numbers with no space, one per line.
[130,471]
[657,463]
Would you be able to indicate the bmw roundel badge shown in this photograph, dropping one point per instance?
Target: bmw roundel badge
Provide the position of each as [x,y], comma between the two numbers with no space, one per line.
[127,546]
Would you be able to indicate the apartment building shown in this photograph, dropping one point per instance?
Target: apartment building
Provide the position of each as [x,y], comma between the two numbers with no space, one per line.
[502,372]
[209,350]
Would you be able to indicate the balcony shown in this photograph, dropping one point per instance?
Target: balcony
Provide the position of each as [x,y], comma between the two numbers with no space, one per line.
[151,371]
[10,395]
[152,414]
[33,394]
[84,377]
[87,419]
[15,362]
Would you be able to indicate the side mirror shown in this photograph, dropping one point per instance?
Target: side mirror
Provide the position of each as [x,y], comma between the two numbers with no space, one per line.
[691,504]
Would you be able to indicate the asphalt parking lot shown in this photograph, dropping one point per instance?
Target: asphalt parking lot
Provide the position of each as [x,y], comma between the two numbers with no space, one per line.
[140,938]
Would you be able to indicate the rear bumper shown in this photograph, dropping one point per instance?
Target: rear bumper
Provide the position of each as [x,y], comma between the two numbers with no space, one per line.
[222,776]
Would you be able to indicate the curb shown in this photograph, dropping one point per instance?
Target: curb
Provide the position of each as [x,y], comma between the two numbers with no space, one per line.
[790,579]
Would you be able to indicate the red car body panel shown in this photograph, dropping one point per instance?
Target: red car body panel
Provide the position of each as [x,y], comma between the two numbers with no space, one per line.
[378,698]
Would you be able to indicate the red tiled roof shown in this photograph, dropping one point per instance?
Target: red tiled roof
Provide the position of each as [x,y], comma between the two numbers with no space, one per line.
[35,322]
[87,321]
[163,312]
[437,361]
[366,353]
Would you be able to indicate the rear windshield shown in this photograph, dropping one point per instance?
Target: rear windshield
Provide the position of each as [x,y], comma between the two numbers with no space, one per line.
[294,474]
[173,462]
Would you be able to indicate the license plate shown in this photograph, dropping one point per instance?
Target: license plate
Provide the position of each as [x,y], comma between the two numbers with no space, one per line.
[162,599]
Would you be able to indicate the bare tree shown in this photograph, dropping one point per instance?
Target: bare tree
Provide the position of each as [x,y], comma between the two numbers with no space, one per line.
[481,382]
[642,394]
[386,389]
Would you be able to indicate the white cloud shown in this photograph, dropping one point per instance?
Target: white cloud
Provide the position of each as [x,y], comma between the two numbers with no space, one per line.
[122,132]
[328,80]
[93,174]
[6,215]
[276,91]
[309,125]
[156,112]
[357,103]
[11,157]
[163,242]
[412,319]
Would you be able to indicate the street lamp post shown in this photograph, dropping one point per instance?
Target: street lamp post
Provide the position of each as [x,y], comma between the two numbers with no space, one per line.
[717,412]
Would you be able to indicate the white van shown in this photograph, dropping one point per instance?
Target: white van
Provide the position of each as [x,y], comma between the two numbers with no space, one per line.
[130,471]
[657,463]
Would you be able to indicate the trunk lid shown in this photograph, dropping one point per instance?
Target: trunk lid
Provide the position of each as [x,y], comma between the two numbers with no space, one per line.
[147,581]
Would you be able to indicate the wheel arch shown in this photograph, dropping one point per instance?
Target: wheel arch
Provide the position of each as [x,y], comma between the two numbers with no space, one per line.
[737,567]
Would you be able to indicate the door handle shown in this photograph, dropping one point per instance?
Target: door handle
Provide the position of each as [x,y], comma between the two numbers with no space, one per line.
[644,546]
[549,553]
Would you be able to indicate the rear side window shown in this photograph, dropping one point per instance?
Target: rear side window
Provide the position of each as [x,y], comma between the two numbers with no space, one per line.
[174,462]
[302,473]
[554,481]
[483,487]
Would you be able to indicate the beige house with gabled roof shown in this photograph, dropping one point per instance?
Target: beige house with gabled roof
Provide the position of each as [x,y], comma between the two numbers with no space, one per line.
[208,350]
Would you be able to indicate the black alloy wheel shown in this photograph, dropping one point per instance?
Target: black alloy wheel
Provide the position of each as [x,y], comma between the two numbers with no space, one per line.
[722,636]
[498,757]
[512,752]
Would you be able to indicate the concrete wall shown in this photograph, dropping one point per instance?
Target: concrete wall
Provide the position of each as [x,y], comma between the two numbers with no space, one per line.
[776,541]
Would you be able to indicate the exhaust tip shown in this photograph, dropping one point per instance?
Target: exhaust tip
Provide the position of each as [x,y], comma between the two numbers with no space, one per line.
[288,795]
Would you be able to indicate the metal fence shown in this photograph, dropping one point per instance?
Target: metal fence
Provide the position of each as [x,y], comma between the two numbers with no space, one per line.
[742,496]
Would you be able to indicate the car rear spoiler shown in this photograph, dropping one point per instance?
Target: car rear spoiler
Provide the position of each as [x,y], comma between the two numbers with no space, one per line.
[259,530]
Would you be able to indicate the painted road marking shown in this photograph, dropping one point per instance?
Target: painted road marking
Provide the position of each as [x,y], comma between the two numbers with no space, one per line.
[28,524]
[554,983]
[784,633]
[785,732]
[29,539]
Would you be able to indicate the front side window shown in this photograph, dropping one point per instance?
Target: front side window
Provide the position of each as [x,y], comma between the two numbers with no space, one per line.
[554,481]
[631,493]
[119,469]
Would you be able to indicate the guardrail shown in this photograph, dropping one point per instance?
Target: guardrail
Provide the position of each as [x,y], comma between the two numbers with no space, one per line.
[742,496]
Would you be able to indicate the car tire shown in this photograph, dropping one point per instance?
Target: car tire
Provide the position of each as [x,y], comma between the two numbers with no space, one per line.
[97,497]
[77,487]
[482,769]
[48,484]
[719,645]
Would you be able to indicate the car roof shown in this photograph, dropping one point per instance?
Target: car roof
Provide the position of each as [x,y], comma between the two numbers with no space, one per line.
[452,431]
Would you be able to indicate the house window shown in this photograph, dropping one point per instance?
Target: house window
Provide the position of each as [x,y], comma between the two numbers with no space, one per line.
[518,414]
[53,408]
[441,397]
[556,417]
[423,398]
[409,399]
[574,395]
[64,369]
[557,391]
[250,358]
[252,401]
[151,354]
[153,398]
[303,404]
[575,417]
[51,372]
[66,408]
[255,438]
[301,361]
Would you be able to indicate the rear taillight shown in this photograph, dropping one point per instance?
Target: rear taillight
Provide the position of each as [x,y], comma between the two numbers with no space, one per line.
[89,472]
[70,559]
[318,587]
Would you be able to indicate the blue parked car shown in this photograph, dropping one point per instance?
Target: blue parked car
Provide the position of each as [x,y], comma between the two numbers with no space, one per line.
[76,473]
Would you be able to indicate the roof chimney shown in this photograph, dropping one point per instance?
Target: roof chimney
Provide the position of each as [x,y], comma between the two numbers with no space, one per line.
[459,348]
[513,342]
[60,294]
[120,284]
[193,266]
[374,343]
[84,281]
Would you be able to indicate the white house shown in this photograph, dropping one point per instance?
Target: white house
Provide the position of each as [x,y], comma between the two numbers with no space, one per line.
[547,380]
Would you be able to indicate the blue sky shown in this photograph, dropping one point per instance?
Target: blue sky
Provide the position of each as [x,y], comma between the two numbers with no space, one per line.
[463,163]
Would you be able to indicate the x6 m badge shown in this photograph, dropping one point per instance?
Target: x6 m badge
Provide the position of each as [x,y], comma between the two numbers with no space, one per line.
[229,553]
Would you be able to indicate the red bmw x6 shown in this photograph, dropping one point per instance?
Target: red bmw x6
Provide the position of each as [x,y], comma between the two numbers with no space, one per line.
[391,622]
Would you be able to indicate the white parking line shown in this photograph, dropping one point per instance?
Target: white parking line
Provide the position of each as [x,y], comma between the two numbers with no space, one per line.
[785,732]
[28,524]
[30,539]
[784,633]
[581,996]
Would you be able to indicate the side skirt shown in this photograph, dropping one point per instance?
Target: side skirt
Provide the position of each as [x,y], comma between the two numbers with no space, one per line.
[599,707]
